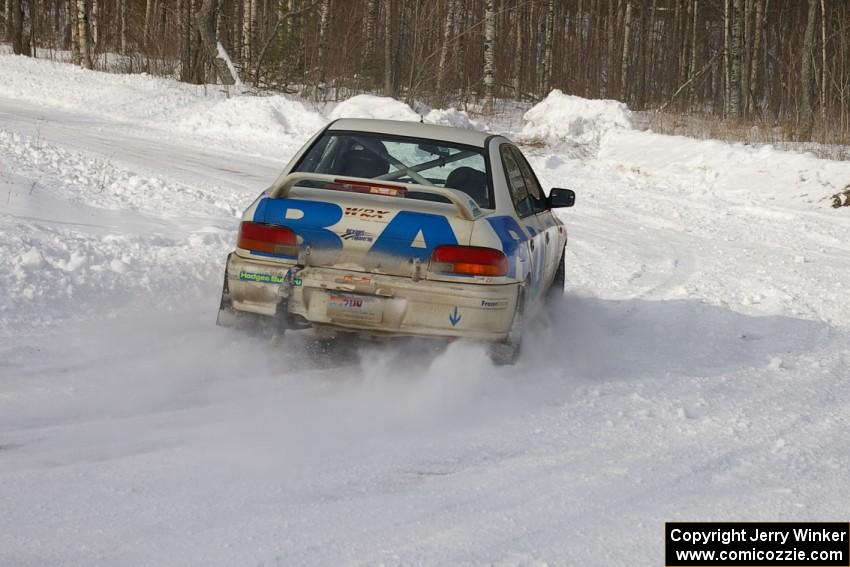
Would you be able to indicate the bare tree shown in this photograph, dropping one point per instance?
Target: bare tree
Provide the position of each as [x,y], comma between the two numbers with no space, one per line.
[205,24]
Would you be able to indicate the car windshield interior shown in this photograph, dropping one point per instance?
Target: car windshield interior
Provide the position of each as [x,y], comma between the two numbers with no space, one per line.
[401,159]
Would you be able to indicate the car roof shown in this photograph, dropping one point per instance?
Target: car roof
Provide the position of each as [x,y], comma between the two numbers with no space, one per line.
[413,129]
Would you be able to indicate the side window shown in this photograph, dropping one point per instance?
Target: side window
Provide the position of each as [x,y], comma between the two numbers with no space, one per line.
[535,192]
[516,182]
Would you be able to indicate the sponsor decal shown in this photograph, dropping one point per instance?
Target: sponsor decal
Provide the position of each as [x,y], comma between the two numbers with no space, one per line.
[350,279]
[366,214]
[493,303]
[356,234]
[408,234]
[261,278]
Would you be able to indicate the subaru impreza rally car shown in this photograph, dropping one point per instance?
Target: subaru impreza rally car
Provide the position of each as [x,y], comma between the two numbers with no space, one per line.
[384,228]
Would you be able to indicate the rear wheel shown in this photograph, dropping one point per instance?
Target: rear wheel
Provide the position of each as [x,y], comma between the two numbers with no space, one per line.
[250,322]
[506,353]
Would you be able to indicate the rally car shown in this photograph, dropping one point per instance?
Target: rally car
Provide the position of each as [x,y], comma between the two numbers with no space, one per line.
[385,228]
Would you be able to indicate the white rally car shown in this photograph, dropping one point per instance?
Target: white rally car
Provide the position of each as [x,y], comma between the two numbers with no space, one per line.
[386,228]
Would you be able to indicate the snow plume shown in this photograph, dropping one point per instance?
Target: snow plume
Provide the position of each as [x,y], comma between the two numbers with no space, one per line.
[575,120]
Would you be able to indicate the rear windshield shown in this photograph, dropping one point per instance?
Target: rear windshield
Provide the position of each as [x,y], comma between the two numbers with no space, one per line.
[402,159]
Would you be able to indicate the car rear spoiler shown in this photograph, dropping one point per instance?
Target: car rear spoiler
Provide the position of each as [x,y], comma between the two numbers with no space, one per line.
[467,208]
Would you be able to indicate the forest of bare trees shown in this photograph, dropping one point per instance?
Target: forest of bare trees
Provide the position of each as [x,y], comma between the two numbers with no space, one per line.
[780,62]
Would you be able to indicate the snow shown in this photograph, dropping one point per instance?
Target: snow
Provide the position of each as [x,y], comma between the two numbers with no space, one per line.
[451,117]
[696,369]
[566,118]
[371,106]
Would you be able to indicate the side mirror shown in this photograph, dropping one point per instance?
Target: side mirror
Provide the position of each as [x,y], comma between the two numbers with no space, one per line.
[559,198]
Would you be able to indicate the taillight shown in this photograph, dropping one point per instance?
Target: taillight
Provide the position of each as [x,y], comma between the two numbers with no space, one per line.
[267,238]
[469,260]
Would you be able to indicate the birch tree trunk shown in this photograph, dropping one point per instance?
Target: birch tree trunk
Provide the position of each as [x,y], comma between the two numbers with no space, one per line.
[746,15]
[26,26]
[95,20]
[17,27]
[83,34]
[624,70]
[323,38]
[254,36]
[489,48]
[7,17]
[148,22]
[71,14]
[806,69]
[388,48]
[122,8]
[611,31]
[184,25]
[757,37]
[727,54]
[735,68]
[823,60]
[369,52]
[694,43]
[444,49]
[518,49]
[548,41]
[247,33]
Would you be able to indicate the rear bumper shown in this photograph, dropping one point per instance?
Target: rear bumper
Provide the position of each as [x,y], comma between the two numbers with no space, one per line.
[371,304]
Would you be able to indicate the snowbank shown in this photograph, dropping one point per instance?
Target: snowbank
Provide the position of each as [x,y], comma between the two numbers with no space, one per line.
[566,118]
[452,117]
[214,113]
[751,176]
[371,106]
[253,118]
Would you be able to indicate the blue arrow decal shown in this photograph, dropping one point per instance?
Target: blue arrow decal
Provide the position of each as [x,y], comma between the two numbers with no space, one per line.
[454,317]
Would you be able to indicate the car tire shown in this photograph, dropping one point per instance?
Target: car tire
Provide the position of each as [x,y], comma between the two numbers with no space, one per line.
[252,323]
[556,288]
[506,353]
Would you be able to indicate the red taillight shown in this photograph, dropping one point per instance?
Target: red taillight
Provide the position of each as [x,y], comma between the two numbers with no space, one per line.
[469,260]
[372,188]
[267,238]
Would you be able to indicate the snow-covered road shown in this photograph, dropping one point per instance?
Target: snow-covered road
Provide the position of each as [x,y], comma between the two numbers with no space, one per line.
[697,370]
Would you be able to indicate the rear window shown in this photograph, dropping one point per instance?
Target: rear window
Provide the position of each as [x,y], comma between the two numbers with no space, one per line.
[401,159]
